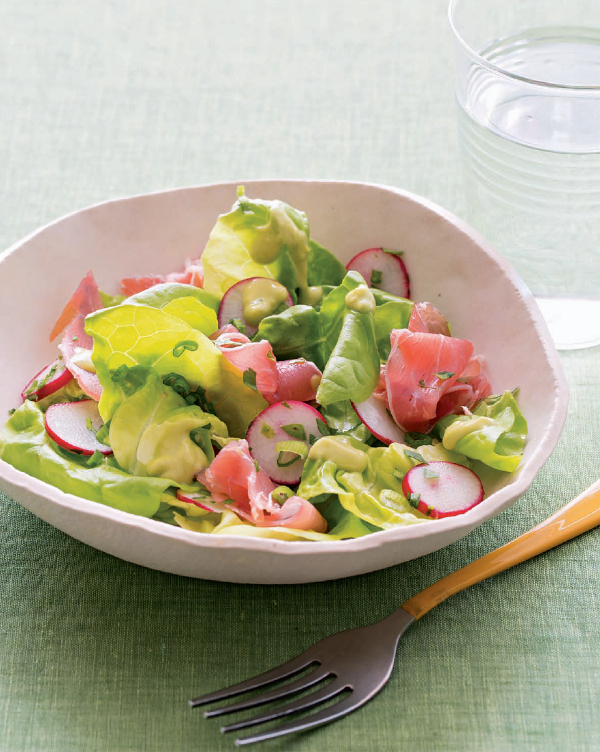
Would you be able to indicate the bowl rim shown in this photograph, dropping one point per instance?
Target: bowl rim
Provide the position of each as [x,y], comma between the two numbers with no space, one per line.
[490,507]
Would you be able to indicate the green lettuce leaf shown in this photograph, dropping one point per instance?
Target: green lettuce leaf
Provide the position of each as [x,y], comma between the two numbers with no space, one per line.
[303,332]
[257,239]
[393,314]
[323,267]
[25,444]
[495,433]
[372,496]
[159,296]
[140,335]
[154,432]
[352,371]
[342,418]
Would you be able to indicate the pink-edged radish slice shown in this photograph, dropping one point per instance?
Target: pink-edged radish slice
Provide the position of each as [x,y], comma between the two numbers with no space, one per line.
[49,380]
[73,426]
[442,489]
[200,500]
[232,303]
[382,268]
[291,423]
[373,413]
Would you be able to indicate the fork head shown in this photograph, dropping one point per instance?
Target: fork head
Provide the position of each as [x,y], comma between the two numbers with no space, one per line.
[358,663]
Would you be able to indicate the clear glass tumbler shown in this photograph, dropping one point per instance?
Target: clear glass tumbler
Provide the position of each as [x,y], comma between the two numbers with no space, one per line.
[527,82]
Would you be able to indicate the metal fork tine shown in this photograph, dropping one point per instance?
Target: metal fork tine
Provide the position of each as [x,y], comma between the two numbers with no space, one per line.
[302,661]
[302,703]
[340,709]
[304,682]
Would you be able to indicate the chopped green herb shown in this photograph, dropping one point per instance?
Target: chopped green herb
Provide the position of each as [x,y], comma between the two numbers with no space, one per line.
[285,404]
[256,466]
[393,252]
[298,449]
[376,277]
[75,338]
[422,383]
[445,374]
[324,429]
[239,325]
[95,459]
[12,411]
[414,455]
[181,347]
[89,425]
[312,438]
[429,472]
[416,439]
[249,378]
[430,511]
[295,430]
[414,499]
[267,431]
[398,475]
[281,494]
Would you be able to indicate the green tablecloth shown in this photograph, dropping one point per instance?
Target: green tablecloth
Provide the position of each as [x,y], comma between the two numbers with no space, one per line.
[104,99]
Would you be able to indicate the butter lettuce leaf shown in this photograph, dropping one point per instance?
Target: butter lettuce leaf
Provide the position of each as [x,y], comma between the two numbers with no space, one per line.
[140,335]
[159,296]
[25,445]
[372,496]
[303,332]
[494,433]
[257,239]
[323,267]
[393,314]
[154,432]
[342,418]
[352,371]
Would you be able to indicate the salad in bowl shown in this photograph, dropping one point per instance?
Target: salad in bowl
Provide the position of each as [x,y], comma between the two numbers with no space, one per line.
[267,390]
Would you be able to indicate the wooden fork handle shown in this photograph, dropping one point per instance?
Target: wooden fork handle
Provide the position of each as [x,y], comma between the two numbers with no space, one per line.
[577,517]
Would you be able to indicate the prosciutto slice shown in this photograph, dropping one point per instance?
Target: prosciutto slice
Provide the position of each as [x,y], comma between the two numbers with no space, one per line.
[193,274]
[421,369]
[74,338]
[234,475]
[297,379]
[84,300]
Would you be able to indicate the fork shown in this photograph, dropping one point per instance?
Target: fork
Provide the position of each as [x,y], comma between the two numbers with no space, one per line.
[360,661]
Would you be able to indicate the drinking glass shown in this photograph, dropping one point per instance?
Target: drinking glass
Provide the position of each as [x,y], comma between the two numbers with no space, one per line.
[527,82]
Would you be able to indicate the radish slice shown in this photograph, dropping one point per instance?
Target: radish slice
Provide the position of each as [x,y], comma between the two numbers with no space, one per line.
[232,305]
[442,489]
[73,425]
[374,415]
[280,439]
[49,380]
[201,501]
[382,268]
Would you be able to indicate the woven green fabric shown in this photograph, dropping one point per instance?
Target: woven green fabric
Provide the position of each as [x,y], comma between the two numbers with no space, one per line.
[104,99]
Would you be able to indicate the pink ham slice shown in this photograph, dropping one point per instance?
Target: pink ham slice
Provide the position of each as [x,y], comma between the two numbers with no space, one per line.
[193,274]
[233,475]
[471,387]
[73,338]
[252,356]
[298,379]
[84,300]
[421,368]
[426,318]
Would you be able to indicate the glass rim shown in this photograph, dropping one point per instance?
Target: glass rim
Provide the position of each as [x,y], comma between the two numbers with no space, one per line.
[482,61]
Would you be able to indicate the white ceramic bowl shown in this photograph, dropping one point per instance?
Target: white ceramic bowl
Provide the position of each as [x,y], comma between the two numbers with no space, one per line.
[449,264]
